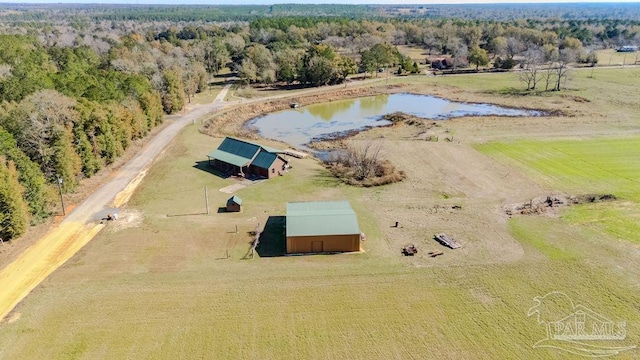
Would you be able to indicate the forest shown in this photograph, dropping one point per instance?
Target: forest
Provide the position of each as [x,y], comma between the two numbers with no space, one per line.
[80,83]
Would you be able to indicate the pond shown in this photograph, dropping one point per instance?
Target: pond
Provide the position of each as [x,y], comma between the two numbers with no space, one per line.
[327,120]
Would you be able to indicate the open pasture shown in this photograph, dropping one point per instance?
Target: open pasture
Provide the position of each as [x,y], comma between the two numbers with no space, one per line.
[594,166]
[158,284]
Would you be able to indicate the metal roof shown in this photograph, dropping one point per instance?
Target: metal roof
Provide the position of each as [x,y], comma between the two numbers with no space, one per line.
[239,147]
[235,199]
[272,150]
[229,158]
[317,218]
[240,153]
[264,159]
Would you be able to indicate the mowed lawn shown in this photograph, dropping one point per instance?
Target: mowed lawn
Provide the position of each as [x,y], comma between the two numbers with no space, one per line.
[593,166]
[163,289]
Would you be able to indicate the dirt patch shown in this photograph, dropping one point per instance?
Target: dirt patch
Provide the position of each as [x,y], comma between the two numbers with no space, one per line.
[126,219]
[450,188]
[400,118]
[14,317]
[232,188]
[548,205]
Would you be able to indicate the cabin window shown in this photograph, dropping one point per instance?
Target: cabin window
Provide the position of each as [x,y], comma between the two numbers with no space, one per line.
[273,170]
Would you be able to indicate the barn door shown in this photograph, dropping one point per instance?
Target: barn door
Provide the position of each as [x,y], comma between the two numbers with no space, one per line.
[316,246]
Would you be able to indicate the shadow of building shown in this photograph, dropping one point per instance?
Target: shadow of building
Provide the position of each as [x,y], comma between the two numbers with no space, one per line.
[272,239]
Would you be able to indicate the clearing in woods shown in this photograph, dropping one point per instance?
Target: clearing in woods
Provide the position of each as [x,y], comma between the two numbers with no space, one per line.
[164,289]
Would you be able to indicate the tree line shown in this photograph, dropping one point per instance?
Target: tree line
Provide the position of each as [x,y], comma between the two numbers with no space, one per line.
[77,90]
[64,114]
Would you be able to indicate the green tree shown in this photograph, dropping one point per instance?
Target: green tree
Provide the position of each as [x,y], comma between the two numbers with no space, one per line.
[319,67]
[35,121]
[14,216]
[248,71]
[65,161]
[263,60]
[319,71]
[288,64]
[31,67]
[172,97]
[379,56]
[216,56]
[151,104]
[29,175]
[91,163]
[415,69]
[478,57]
[77,69]
[346,66]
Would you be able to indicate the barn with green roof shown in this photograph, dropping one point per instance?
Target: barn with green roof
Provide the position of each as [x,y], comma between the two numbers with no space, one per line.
[321,226]
[246,159]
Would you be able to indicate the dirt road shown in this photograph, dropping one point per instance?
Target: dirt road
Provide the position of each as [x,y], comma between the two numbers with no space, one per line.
[36,263]
[19,278]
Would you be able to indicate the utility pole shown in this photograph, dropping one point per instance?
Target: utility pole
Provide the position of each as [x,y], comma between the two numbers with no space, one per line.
[61,199]
[206,199]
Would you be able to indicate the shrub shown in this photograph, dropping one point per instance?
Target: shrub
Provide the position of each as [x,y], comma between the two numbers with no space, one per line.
[364,166]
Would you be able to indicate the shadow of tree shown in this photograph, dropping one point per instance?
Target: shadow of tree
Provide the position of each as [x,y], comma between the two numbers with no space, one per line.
[516,92]
[272,239]
[325,178]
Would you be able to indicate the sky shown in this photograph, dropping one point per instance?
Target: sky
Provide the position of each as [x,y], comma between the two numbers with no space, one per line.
[269,2]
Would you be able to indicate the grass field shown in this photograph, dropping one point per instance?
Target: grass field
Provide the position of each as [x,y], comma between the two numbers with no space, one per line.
[156,284]
[610,57]
[601,166]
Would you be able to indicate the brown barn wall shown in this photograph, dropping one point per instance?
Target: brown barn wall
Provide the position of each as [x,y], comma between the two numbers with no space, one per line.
[233,208]
[257,171]
[330,243]
[276,168]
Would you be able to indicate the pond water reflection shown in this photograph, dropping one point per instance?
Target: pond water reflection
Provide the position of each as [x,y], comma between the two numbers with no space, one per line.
[299,126]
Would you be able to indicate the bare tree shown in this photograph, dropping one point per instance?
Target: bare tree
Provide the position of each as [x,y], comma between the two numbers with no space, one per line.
[362,160]
[399,37]
[430,40]
[460,54]
[531,65]
[514,47]
[565,57]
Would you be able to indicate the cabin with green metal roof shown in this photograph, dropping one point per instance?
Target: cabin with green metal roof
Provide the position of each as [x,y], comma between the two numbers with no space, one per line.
[247,159]
[321,226]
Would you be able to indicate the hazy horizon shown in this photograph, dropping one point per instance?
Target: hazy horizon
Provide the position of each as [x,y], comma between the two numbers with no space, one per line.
[311,2]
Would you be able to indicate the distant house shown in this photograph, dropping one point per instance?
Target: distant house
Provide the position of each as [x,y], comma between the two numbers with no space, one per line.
[628,48]
[234,204]
[321,226]
[448,63]
[247,159]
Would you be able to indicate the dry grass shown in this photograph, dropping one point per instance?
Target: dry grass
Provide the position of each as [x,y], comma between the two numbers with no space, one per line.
[610,57]
[159,291]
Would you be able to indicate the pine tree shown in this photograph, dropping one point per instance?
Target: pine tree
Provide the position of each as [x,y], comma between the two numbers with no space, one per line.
[29,175]
[14,215]
[66,163]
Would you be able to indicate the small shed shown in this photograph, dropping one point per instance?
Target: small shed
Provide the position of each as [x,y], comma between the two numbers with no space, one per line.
[234,204]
